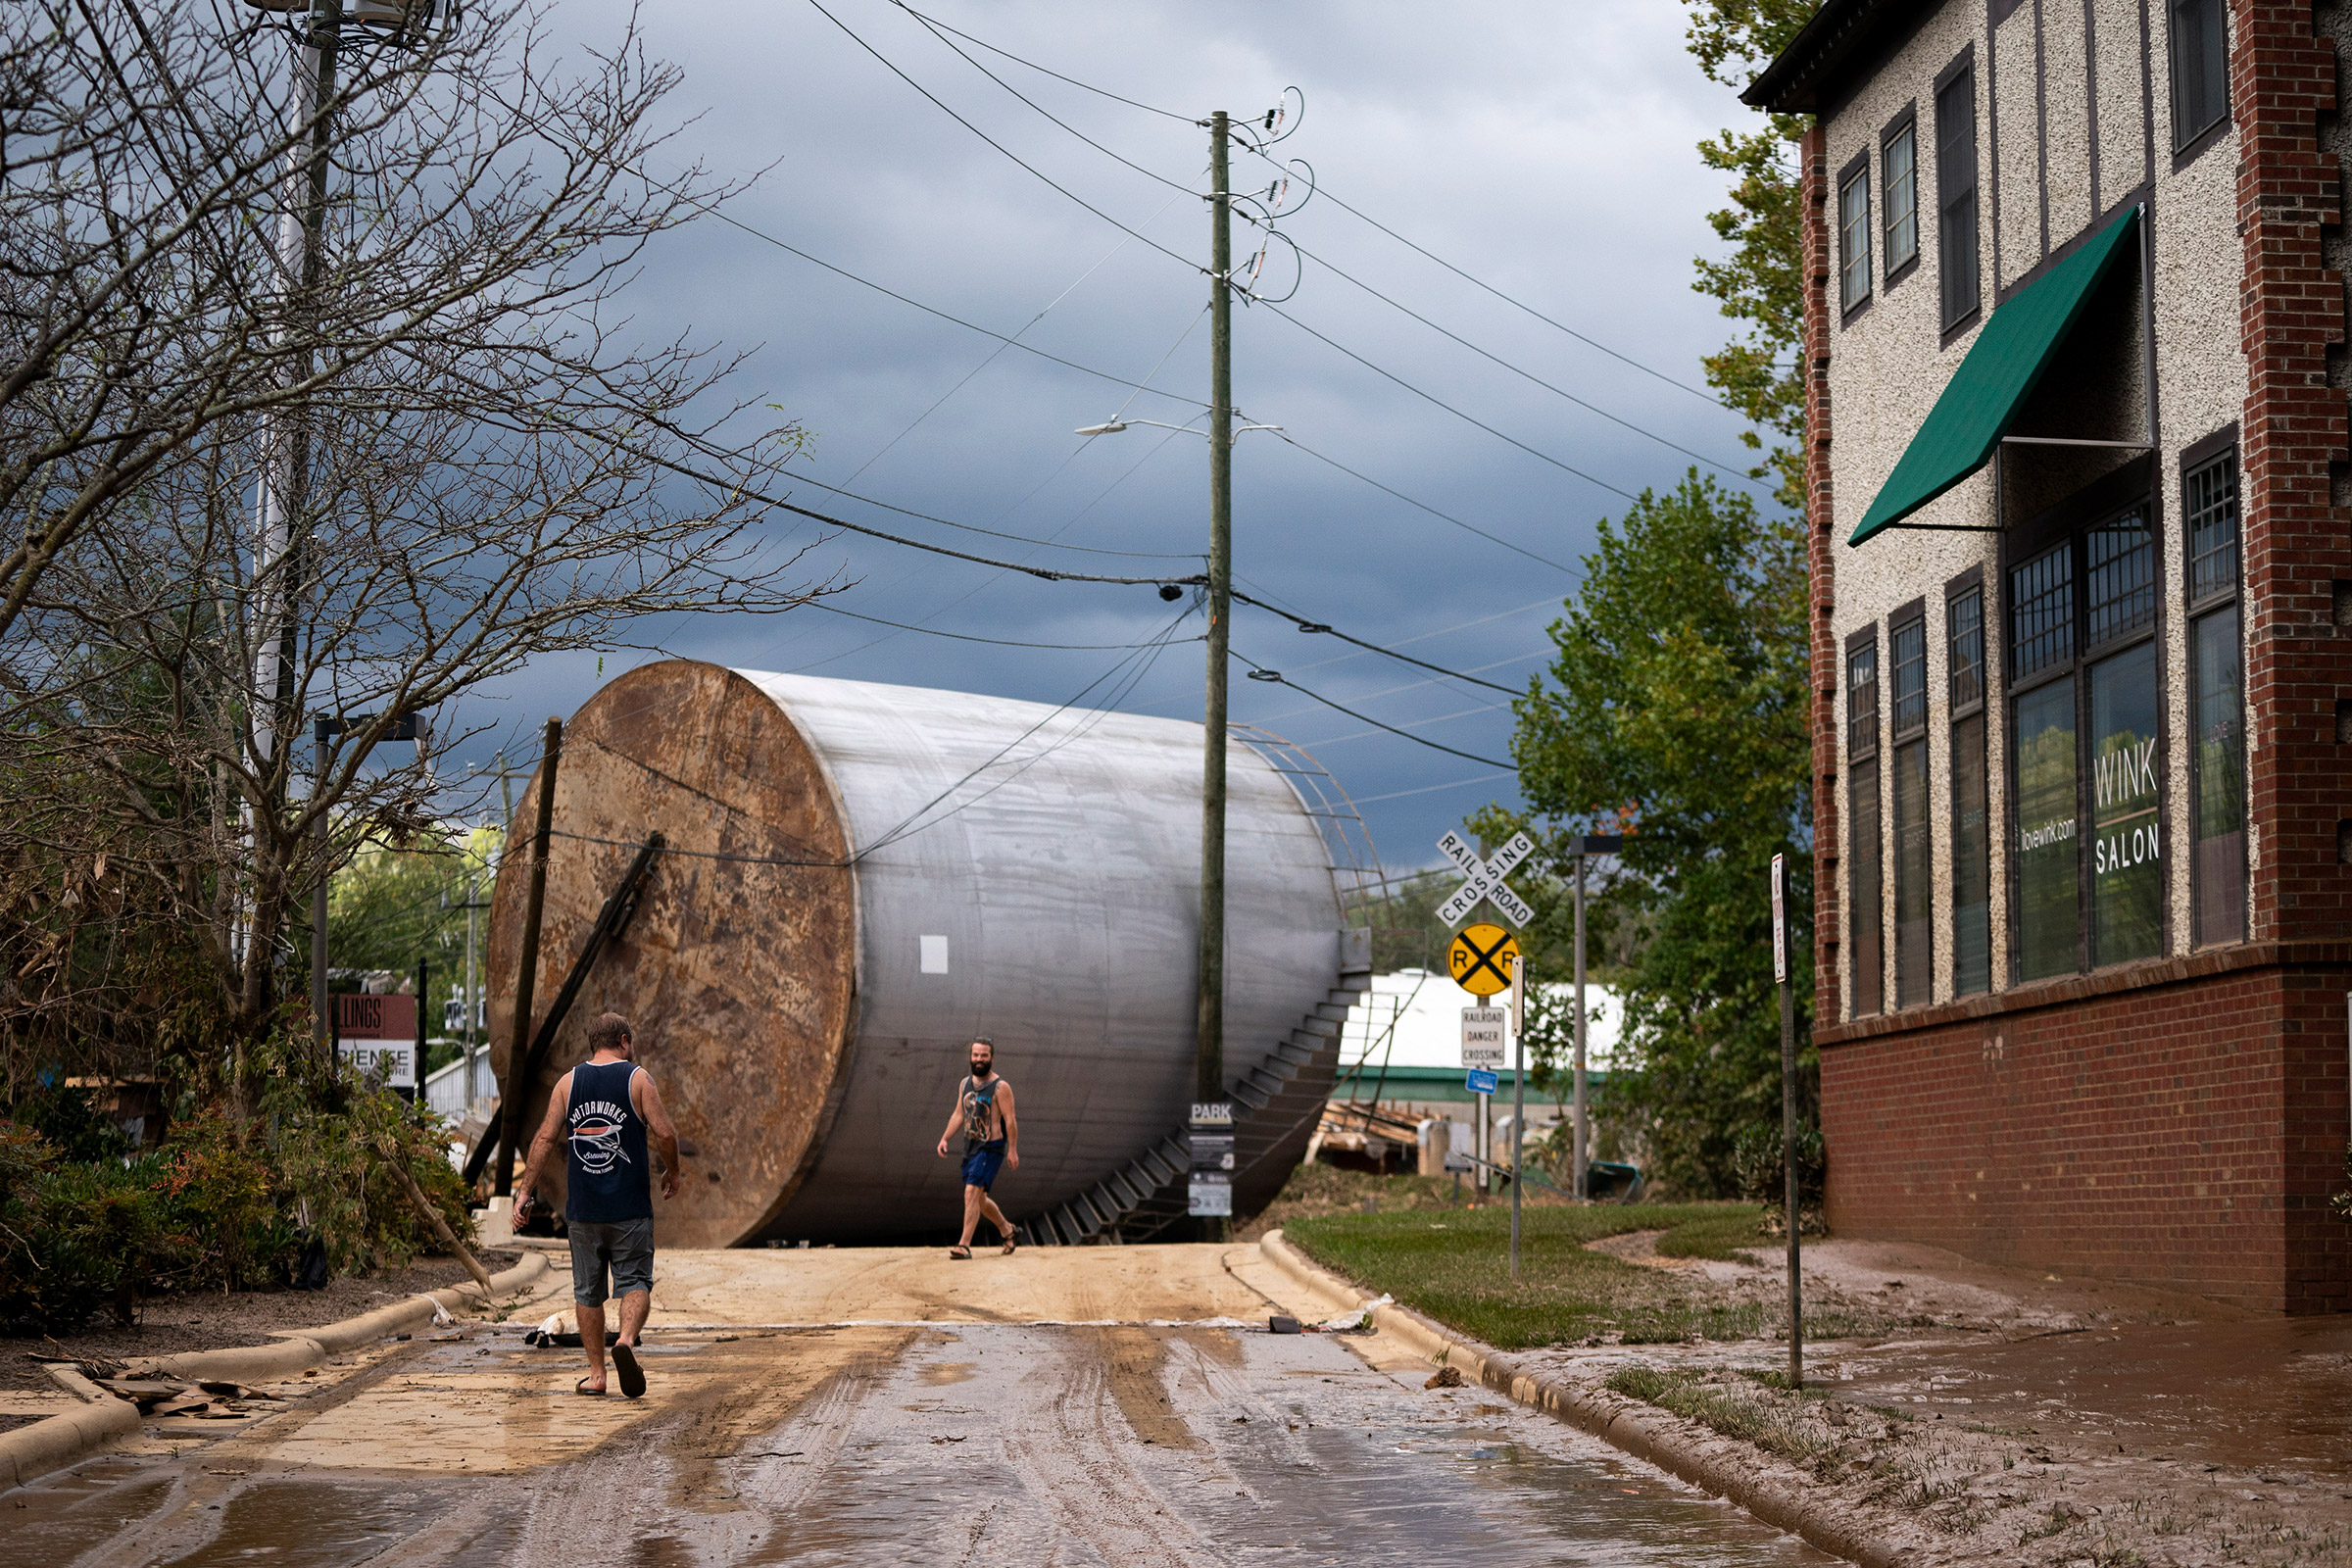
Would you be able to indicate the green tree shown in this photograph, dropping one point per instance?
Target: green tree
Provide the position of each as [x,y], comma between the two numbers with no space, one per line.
[1676,713]
[1759,280]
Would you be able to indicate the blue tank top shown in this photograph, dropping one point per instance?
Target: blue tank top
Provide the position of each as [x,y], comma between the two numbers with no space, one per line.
[610,1174]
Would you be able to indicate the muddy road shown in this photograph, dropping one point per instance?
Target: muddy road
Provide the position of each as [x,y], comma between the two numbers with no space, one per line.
[945,1438]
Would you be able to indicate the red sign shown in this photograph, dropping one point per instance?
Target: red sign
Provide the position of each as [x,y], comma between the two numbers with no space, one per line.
[375,1018]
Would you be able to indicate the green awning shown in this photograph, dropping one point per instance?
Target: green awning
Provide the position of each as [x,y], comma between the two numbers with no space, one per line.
[1965,427]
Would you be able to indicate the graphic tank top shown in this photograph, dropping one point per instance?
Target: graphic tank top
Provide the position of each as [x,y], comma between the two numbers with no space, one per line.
[980,1124]
[610,1175]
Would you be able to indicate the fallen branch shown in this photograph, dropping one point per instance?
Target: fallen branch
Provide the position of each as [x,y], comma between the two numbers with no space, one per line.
[449,1238]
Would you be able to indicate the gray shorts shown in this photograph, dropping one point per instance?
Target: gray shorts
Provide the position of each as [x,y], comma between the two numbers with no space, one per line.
[626,1248]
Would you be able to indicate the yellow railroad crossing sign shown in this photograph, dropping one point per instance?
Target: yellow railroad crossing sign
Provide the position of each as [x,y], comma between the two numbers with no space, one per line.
[1476,958]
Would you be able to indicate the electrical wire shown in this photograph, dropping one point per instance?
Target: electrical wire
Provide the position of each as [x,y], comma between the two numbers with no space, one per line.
[1105,92]
[1041,109]
[1304,625]
[994,533]
[998,352]
[1261,672]
[1431,789]
[1424,505]
[998,642]
[1438,719]
[1032,169]
[1735,472]
[1432,398]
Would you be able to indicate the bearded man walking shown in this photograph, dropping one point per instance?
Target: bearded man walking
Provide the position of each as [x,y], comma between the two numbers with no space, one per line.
[603,1108]
[991,1141]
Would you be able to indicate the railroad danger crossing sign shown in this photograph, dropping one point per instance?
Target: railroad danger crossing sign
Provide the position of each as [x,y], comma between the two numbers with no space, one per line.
[1484,1037]
[1477,958]
[1484,879]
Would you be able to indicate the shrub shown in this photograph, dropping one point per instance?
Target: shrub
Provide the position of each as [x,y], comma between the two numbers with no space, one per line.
[221,1205]
[1758,1162]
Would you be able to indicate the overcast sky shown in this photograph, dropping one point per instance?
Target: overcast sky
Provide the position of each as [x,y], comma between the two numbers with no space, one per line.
[1546,148]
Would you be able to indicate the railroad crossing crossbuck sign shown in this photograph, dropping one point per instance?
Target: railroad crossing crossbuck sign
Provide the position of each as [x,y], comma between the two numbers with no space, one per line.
[1477,960]
[1484,880]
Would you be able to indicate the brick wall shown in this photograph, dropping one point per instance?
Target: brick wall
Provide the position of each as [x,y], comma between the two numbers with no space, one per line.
[2296,541]
[1827,890]
[2161,1134]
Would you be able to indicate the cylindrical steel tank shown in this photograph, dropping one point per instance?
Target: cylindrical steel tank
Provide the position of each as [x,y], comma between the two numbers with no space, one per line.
[858,879]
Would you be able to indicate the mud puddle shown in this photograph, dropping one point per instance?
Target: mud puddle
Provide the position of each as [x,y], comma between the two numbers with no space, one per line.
[2275,1394]
[1142,1446]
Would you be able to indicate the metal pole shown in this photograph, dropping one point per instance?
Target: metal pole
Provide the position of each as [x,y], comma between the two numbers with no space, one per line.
[473,886]
[1796,1283]
[519,1031]
[1518,1096]
[1209,1024]
[1582,1152]
[322,1030]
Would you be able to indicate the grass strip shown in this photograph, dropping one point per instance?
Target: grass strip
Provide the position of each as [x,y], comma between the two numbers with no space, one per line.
[1724,1408]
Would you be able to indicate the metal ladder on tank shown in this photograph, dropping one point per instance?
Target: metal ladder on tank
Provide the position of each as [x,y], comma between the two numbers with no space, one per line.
[1277,1103]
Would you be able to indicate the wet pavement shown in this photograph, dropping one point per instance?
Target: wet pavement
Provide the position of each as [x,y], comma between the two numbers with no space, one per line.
[875,1443]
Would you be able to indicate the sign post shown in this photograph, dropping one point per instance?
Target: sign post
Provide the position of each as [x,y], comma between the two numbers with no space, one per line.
[1780,975]
[1209,1193]
[1481,959]
[1518,1098]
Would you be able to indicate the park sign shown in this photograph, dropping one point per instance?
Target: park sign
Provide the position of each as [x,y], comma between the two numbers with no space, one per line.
[1483,879]
[1208,1193]
[378,1037]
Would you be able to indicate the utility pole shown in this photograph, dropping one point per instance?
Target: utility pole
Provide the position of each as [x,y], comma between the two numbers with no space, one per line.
[519,1032]
[1209,1024]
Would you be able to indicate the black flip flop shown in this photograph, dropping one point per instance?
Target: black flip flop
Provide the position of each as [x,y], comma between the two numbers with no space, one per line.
[632,1376]
[582,1388]
[959,1252]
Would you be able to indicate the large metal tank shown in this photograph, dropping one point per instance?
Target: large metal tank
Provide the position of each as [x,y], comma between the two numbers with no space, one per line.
[858,879]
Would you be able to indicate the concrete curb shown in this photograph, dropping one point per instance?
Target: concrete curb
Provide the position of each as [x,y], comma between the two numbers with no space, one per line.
[30,1452]
[1674,1446]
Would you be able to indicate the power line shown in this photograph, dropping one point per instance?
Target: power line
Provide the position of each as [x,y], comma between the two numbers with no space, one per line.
[1260,671]
[1041,109]
[999,642]
[1105,92]
[1431,397]
[998,352]
[993,533]
[1431,789]
[1437,718]
[1426,507]
[1514,303]
[1047,180]
[1304,625]
[1735,472]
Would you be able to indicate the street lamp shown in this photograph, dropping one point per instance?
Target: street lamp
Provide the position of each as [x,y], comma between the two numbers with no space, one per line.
[1114,426]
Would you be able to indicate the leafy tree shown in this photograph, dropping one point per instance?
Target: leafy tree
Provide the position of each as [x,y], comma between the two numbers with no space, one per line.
[1676,713]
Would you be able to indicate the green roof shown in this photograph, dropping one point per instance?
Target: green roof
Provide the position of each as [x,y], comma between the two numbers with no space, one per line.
[2003,366]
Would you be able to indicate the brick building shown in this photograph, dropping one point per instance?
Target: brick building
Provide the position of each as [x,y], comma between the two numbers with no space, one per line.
[2081,631]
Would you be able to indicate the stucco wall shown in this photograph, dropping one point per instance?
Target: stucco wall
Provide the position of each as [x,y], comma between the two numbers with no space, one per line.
[1886,368]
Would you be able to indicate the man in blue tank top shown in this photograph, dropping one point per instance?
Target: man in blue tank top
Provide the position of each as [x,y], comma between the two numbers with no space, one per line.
[991,1141]
[603,1109]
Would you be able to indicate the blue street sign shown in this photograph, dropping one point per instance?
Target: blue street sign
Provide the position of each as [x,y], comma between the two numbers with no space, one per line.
[1480,1081]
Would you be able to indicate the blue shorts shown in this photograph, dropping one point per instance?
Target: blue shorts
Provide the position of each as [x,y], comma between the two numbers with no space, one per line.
[982,1162]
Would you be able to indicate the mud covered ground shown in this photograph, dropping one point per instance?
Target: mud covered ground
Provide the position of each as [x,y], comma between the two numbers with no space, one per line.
[2006,1416]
